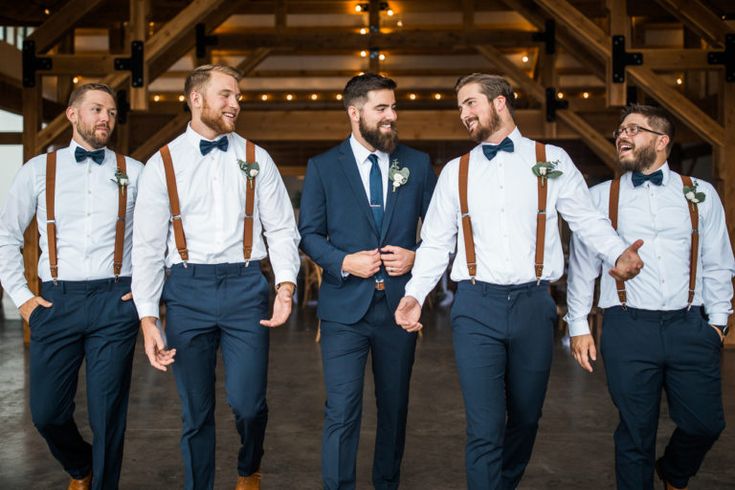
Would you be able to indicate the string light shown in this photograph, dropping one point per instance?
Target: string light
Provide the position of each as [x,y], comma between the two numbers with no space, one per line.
[515,95]
[412,96]
[363,53]
[438,96]
[399,23]
[390,12]
[679,81]
[264,97]
[75,80]
[381,57]
[314,96]
[181,98]
[524,59]
[363,30]
[289,97]
[585,95]
[156,98]
[560,95]
[47,11]
[339,97]
[358,8]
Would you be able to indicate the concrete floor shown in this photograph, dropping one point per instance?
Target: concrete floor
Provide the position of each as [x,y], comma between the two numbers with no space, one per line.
[574,449]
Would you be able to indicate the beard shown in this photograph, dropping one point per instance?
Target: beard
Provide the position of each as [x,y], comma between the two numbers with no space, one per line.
[482,132]
[88,133]
[640,159]
[385,142]
[216,122]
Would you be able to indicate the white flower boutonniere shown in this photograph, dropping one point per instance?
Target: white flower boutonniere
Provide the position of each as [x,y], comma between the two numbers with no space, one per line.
[397,175]
[546,170]
[692,195]
[121,178]
[251,170]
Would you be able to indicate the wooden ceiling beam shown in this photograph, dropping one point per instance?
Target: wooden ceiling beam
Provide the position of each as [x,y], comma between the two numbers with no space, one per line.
[597,143]
[61,22]
[591,35]
[700,18]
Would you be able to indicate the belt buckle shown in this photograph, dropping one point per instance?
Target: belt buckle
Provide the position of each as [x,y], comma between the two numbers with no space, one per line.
[380,284]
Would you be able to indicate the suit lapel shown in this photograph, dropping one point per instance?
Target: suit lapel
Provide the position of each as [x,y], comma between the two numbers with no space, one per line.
[390,205]
[349,167]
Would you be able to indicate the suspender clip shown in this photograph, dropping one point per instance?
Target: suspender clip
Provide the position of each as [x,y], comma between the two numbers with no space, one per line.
[185,264]
[50,221]
[247,263]
[541,211]
[472,280]
[117,278]
[176,217]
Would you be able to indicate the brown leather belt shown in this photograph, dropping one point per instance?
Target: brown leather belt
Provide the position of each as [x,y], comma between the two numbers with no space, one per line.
[380,285]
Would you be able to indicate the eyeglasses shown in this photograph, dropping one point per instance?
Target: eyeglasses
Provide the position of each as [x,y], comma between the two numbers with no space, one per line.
[633,130]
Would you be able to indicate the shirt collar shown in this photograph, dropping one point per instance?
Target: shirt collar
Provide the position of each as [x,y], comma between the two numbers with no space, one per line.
[73,145]
[665,171]
[194,138]
[361,153]
[515,136]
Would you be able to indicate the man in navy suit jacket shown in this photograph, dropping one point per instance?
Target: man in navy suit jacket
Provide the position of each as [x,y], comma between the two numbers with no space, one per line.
[360,210]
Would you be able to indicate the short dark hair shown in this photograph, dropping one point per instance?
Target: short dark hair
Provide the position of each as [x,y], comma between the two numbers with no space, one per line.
[200,76]
[359,86]
[78,93]
[492,86]
[657,118]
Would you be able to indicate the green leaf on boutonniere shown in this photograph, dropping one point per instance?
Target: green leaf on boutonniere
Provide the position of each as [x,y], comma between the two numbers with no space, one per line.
[546,170]
[121,178]
[397,175]
[693,195]
[251,170]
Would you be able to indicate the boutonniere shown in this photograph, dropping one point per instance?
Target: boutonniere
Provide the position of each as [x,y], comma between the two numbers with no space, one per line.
[546,170]
[397,175]
[121,178]
[692,195]
[250,170]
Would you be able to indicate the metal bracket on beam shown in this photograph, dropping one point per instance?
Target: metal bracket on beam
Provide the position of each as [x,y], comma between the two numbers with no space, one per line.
[547,36]
[123,106]
[203,40]
[31,64]
[134,64]
[621,58]
[553,104]
[726,57]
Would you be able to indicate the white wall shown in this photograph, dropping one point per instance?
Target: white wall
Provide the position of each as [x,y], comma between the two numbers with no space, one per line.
[11,156]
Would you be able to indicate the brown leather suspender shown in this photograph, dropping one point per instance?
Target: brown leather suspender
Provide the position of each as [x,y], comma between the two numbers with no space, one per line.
[541,215]
[469,241]
[173,197]
[51,214]
[247,239]
[51,217]
[694,218]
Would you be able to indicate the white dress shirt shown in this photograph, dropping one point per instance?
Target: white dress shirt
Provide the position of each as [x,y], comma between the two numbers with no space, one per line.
[503,204]
[364,165]
[659,215]
[211,192]
[86,213]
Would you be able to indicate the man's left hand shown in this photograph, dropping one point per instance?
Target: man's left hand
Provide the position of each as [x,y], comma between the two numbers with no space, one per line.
[281,306]
[127,297]
[629,264]
[397,260]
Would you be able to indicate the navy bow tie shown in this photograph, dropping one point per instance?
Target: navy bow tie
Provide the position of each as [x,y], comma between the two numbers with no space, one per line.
[492,150]
[656,178]
[97,155]
[207,146]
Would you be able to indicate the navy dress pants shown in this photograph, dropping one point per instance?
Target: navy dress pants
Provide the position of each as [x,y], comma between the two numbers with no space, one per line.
[344,355]
[210,306]
[88,320]
[503,341]
[646,352]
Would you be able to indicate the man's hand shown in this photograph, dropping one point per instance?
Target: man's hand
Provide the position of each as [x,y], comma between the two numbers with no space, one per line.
[629,264]
[362,264]
[719,332]
[397,260]
[127,297]
[158,355]
[281,306]
[27,308]
[583,350]
[408,314]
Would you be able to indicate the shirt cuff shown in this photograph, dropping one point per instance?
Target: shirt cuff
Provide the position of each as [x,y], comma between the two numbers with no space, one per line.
[285,276]
[147,308]
[20,296]
[718,319]
[578,326]
[413,291]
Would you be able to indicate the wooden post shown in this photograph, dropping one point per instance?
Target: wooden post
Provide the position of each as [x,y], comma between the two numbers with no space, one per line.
[32,100]
[65,83]
[619,26]
[549,78]
[139,10]
[374,16]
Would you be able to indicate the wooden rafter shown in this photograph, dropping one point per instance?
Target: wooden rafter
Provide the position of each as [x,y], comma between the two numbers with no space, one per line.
[60,23]
[597,143]
[596,39]
[700,19]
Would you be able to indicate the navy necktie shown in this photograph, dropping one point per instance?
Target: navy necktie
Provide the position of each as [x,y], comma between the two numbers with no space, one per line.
[97,155]
[491,150]
[376,191]
[655,178]
[206,146]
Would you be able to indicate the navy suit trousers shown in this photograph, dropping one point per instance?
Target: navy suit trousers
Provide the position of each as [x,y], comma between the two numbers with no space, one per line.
[503,342]
[344,354]
[211,306]
[646,352]
[88,320]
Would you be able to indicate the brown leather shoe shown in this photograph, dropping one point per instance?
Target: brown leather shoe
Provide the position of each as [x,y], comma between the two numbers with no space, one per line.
[82,484]
[251,482]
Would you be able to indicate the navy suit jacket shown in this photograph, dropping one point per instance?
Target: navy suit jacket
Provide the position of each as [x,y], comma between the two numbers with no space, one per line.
[336,220]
